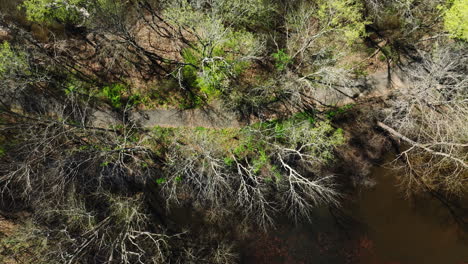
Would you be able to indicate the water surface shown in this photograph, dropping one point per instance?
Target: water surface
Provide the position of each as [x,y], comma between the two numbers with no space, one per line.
[380,226]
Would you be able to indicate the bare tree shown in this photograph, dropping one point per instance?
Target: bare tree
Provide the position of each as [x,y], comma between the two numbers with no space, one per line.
[196,168]
[430,116]
[74,174]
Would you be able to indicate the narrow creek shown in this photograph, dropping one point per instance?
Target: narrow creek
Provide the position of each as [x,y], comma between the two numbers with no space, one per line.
[379,226]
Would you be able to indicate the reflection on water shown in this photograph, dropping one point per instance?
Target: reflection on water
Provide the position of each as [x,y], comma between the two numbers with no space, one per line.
[408,232]
[380,227]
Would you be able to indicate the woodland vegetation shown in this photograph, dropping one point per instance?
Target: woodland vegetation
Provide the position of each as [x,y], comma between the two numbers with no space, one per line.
[104,194]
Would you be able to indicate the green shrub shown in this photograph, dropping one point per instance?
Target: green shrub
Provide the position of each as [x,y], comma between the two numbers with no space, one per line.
[160,181]
[74,85]
[114,94]
[49,11]
[456,19]
[11,61]
[338,111]
[282,59]
[237,13]
[345,16]
[218,55]
[211,66]
[256,142]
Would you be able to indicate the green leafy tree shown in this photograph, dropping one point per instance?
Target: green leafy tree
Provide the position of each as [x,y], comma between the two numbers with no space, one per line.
[49,11]
[282,59]
[345,16]
[237,13]
[11,62]
[456,19]
[323,28]
[217,53]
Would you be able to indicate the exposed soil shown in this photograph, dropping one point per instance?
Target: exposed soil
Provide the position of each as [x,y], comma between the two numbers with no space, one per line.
[7,227]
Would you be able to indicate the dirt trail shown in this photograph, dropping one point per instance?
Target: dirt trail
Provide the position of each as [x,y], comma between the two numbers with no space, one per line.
[376,85]
[185,118]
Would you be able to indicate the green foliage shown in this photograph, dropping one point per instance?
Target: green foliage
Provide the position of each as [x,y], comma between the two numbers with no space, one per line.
[49,11]
[456,19]
[71,88]
[260,162]
[237,13]
[382,57]
[282,59]
[6,55]
[114,93]
[117,94]
[178,178]
[217,56]
[74,85]
[137,99]
[160,181]
[409,20]
[258,144]
[162,132]
[304,116]
[11,61]
[344,16]
[246,13]
[228,161]
[211,66]
[388,52]
[338,111]
[190,101]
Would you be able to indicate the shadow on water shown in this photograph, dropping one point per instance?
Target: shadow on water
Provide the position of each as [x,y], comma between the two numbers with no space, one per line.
[379,226]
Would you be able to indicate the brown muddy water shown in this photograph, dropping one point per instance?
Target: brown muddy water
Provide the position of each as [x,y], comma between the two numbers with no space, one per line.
[402,231]
[379,226]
